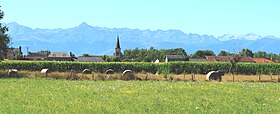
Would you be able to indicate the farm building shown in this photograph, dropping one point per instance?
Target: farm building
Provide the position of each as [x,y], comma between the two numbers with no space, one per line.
[157,61]
[262,60]
[198,60]
[89,59]
[59,56]
[175,58]
[228,58]
[14,53]
[246,59]
[37,55]
[218,58]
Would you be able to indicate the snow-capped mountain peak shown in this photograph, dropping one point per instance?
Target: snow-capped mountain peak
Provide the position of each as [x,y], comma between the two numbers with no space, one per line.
[250,36]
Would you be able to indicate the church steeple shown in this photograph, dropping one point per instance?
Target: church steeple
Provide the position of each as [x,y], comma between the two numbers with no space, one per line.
[118,52]
[118,43]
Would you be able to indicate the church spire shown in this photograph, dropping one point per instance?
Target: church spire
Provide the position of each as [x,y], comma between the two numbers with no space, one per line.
[118,52]
[118,43]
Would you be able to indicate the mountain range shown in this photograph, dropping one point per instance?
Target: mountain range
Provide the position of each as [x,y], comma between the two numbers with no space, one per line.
[87,39]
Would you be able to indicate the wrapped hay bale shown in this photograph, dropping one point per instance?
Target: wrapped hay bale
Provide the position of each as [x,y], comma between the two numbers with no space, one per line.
[129,75]
[45,72]
[13,73]
[109,71]
[86,71]
[215,75]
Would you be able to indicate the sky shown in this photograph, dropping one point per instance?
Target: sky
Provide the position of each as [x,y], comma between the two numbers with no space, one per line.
[211,17]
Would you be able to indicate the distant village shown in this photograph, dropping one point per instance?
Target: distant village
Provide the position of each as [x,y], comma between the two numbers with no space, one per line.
[16,54]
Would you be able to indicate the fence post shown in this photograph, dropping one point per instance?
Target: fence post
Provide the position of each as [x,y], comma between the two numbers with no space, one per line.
[93,77]
[192,76]
[233,77]
[259,77]
[146,78]
[71,74]
[278,78]
[184,77]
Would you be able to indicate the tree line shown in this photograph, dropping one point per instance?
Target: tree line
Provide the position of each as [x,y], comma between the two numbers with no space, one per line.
[151,54]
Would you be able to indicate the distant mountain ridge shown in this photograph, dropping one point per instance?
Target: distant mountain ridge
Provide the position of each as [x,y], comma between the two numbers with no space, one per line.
[89,39]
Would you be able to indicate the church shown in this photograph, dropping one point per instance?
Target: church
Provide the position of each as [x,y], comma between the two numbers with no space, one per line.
[118,54]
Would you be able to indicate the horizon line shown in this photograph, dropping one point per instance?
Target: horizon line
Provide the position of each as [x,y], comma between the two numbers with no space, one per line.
[236,34]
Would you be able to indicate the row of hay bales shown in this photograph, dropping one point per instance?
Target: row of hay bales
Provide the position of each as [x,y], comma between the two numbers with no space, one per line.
[126,74]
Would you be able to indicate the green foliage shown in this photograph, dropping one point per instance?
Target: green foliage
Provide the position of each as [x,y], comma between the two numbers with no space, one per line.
[260,54]
[203,54]
[148,55]
[246,52]
[152,97]
[4,38]
[174,67]
[224,53]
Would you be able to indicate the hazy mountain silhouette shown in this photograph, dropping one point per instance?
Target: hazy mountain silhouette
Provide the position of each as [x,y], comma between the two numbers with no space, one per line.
[100,40]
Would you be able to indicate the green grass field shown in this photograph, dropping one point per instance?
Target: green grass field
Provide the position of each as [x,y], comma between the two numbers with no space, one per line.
[64,96]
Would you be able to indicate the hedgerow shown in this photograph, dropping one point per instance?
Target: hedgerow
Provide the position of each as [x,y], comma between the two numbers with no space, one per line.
[176,67]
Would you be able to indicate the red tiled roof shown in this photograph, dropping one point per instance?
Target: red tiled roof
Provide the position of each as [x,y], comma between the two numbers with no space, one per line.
[210,58]
[227,59]
[218,58]
[262,60]
[222,58]
[246,59]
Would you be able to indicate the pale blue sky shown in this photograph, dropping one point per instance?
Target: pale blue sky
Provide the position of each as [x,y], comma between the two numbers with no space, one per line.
[212,17]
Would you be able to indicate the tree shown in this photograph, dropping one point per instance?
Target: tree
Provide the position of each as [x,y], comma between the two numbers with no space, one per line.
[87,55]
[44,51]
[104,57]
[224,53]
[4,38]
[260,54]
[246,52]
[233,61]
[203,54]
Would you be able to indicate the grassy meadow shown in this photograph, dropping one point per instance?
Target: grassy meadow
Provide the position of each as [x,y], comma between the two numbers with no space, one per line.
[38,95]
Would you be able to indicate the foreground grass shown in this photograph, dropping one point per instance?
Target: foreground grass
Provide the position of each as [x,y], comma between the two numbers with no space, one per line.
[64,96]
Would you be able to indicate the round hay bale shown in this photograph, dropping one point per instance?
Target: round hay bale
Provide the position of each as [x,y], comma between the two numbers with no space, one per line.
[45,71]
[109,71]
[127,75]
[13,72]
[86,71]
[214,75]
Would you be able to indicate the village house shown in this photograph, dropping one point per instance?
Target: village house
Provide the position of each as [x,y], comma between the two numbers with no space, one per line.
[37,55]
[157,61]
[175,58]
[14,53]
[197,60]
[89,59]
[59,56]
[228,58]
[262,60]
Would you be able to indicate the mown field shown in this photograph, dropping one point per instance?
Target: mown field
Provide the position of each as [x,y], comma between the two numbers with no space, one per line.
[37,95]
